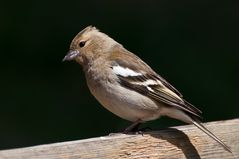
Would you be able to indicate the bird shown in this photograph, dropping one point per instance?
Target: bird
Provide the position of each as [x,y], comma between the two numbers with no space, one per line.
[128,87]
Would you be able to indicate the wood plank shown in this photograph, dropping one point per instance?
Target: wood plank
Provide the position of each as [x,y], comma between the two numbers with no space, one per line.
[176,142]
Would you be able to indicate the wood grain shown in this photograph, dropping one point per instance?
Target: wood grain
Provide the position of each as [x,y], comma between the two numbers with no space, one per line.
[176,142]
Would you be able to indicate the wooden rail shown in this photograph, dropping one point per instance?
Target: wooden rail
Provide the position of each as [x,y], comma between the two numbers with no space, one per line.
[176,142]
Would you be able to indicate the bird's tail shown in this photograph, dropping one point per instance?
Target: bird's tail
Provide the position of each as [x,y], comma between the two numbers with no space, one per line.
[209,133]
[192,119]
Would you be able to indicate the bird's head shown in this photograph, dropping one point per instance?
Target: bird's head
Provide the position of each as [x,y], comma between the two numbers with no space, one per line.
[88,45]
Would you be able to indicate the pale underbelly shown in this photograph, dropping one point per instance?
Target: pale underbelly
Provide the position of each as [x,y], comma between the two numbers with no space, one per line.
[126,103]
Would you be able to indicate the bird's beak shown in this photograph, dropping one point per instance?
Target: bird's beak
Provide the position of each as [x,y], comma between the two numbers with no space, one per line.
[71,55]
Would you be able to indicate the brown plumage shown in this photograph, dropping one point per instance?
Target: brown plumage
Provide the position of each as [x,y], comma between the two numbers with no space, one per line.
[125,85]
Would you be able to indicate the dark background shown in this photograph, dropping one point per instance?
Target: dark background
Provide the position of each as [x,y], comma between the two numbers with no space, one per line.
[193,44]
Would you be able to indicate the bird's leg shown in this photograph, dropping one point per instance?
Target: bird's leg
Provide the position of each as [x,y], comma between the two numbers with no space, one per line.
[133,127]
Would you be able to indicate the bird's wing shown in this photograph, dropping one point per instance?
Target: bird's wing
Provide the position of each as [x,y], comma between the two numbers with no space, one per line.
[134,74]
[133,62]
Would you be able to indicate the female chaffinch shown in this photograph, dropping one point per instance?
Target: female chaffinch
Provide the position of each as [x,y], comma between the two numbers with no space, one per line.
[126,85]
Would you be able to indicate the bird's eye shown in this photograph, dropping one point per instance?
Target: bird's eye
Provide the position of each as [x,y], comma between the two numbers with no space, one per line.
[82,43]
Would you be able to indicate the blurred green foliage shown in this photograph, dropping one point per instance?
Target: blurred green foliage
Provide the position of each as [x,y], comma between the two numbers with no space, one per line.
[193,44]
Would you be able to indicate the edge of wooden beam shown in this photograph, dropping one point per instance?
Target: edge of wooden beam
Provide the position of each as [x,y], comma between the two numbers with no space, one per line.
[175,142]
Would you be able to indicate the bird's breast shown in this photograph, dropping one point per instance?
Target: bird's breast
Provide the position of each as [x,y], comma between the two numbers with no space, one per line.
[121,101]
